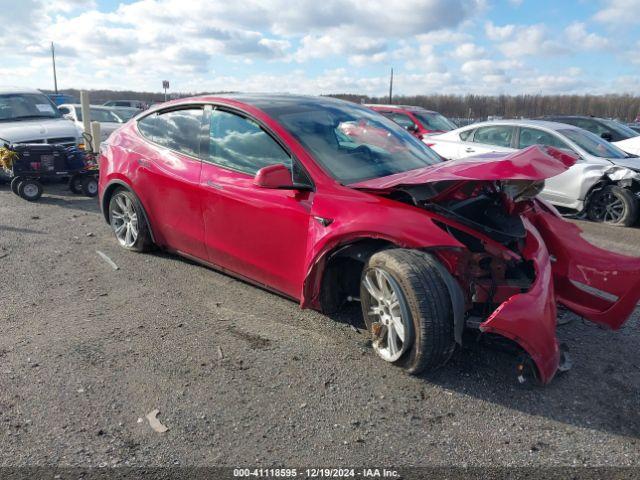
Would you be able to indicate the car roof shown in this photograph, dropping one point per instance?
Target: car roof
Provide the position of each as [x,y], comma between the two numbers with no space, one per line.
[525,123]
[18,90]
[581,117]
[261,100]
[78,105]
[409,108]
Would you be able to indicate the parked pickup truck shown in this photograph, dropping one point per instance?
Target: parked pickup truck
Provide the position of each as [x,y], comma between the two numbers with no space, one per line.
[29,116]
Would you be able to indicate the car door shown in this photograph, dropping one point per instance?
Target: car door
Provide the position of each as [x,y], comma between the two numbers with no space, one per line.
[258,233]
[167,176]
[563,189]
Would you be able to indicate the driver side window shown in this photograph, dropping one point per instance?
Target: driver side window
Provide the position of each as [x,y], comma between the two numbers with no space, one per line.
[240,144]
[533,136]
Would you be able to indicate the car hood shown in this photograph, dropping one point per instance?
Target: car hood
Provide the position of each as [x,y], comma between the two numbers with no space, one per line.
[632,163]
[630,145]
[38,129]
[534,163]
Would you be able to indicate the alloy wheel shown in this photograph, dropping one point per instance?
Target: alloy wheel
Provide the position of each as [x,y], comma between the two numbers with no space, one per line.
[124,220]
[608,208]
[391,323]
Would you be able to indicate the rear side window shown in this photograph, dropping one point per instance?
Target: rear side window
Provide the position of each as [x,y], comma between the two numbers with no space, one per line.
[466,135]
[178,130]
[241,144]
[533,136]
[498,135]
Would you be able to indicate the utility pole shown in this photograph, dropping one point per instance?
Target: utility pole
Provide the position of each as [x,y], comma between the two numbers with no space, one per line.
[53,60]
[391,87]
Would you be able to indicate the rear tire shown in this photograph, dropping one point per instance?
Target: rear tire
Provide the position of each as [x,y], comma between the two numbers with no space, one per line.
[30,190]
[128,221]
[15,185]
[423,298]
[613,205]
[75,184]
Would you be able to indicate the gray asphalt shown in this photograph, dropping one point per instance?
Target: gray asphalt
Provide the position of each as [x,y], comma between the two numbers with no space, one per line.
[244,377]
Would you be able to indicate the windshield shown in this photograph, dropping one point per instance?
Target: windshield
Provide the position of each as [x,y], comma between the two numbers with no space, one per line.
[126,115]
[621,129]
[593,144]
[352,143]
[24,106]
[100,115]
[435,121]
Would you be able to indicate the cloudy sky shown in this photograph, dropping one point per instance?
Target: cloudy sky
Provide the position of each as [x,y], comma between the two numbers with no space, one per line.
[326,46]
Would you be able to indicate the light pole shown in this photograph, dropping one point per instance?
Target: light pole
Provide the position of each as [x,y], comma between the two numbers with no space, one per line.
[53,61]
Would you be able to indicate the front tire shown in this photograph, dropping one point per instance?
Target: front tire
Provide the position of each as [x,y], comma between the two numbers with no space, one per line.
[128,222]
[90,186]
[407,309]
[613,205]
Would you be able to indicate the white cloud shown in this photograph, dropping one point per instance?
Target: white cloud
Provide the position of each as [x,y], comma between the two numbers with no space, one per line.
[577,34]
[468,50]
[523,40]
[617,12]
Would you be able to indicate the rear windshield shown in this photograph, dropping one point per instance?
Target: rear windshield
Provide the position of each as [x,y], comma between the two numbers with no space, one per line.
[435,121]
[99,115]
[25,106]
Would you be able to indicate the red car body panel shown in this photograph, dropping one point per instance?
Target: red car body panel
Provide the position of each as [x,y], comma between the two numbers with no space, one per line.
[282,239]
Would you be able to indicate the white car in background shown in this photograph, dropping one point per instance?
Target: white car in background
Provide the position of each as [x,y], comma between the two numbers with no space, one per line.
[604,183]
[109,121]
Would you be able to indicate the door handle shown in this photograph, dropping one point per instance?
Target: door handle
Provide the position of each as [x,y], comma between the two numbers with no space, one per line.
[217,186]
[470,150]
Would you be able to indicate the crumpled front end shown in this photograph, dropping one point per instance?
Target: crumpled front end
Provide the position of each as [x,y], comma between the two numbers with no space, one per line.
[529,318]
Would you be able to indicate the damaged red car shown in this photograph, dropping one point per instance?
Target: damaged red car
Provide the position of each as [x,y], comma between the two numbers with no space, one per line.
[273,189]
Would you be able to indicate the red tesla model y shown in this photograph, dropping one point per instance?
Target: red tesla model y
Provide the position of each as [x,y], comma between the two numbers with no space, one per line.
[275,190]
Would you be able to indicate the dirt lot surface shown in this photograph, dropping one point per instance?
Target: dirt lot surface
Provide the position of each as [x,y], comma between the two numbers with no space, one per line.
[244,377]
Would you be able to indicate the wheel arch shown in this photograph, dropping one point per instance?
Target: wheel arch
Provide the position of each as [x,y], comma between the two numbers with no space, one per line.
[110,189]
[322,290]
[324,286]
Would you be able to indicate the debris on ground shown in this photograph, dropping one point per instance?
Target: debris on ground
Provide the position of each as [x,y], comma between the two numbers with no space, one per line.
[155,423]
[108,260]
[220,354]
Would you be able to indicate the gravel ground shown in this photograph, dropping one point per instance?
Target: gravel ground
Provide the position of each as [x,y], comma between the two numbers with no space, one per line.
[244,377]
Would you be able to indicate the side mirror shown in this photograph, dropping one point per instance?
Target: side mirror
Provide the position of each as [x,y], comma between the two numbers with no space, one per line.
[607,136]
[413,128]
[274,176]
